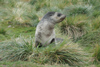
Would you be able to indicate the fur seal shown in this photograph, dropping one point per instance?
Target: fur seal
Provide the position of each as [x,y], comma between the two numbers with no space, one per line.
[45,33]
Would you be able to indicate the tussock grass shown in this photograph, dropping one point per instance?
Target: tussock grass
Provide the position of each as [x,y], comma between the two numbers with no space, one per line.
[96,54]
[75,27]
[92,2]
[14,50]
[27,64]
[91,38]
[95,24]
[21,13]
[77,9]
[64,53]
[2,37]
[2,31]
[95,11]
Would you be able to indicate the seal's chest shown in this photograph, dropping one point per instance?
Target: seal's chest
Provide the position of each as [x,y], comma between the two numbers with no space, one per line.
[47,32]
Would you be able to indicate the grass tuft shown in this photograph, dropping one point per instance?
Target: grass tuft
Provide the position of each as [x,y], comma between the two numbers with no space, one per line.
[16,50]
[77,9]
[75,27]
[65,53]
[96,54]
[21,14]
[2,31]
[91,38]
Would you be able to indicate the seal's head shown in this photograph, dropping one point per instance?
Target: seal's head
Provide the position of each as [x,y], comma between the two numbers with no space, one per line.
[54,17]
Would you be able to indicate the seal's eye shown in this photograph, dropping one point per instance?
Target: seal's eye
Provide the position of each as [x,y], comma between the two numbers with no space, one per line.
[59,15]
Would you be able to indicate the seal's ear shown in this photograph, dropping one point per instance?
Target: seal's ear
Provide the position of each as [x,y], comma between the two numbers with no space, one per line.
[50,13]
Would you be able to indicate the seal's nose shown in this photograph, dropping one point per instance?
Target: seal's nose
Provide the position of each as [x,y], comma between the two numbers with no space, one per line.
[65,16]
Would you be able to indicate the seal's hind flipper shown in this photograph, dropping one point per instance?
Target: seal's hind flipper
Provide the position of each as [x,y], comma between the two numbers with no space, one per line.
[59,40]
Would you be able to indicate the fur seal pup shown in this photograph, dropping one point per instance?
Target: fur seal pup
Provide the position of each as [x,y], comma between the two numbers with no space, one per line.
[45,33]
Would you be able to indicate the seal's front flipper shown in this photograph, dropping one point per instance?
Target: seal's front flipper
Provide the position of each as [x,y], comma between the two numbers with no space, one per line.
[52,41]
[38,44]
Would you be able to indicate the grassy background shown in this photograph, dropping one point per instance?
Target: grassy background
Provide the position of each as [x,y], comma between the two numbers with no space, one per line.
[80,31]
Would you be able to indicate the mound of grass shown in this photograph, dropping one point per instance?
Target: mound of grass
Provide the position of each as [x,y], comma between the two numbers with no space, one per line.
[65,53]
[2,31]
[96,54]
[17,50]
[92,2]
[96,13]
[22,13]
[95,24]
[33,2]
[27,64]
[2,37]
[97,7]
[1,2]
[75,27]
[90,38]
[77,9]
[59,54]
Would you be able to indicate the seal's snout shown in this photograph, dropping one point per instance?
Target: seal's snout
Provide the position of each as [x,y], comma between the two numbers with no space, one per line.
[63,17]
